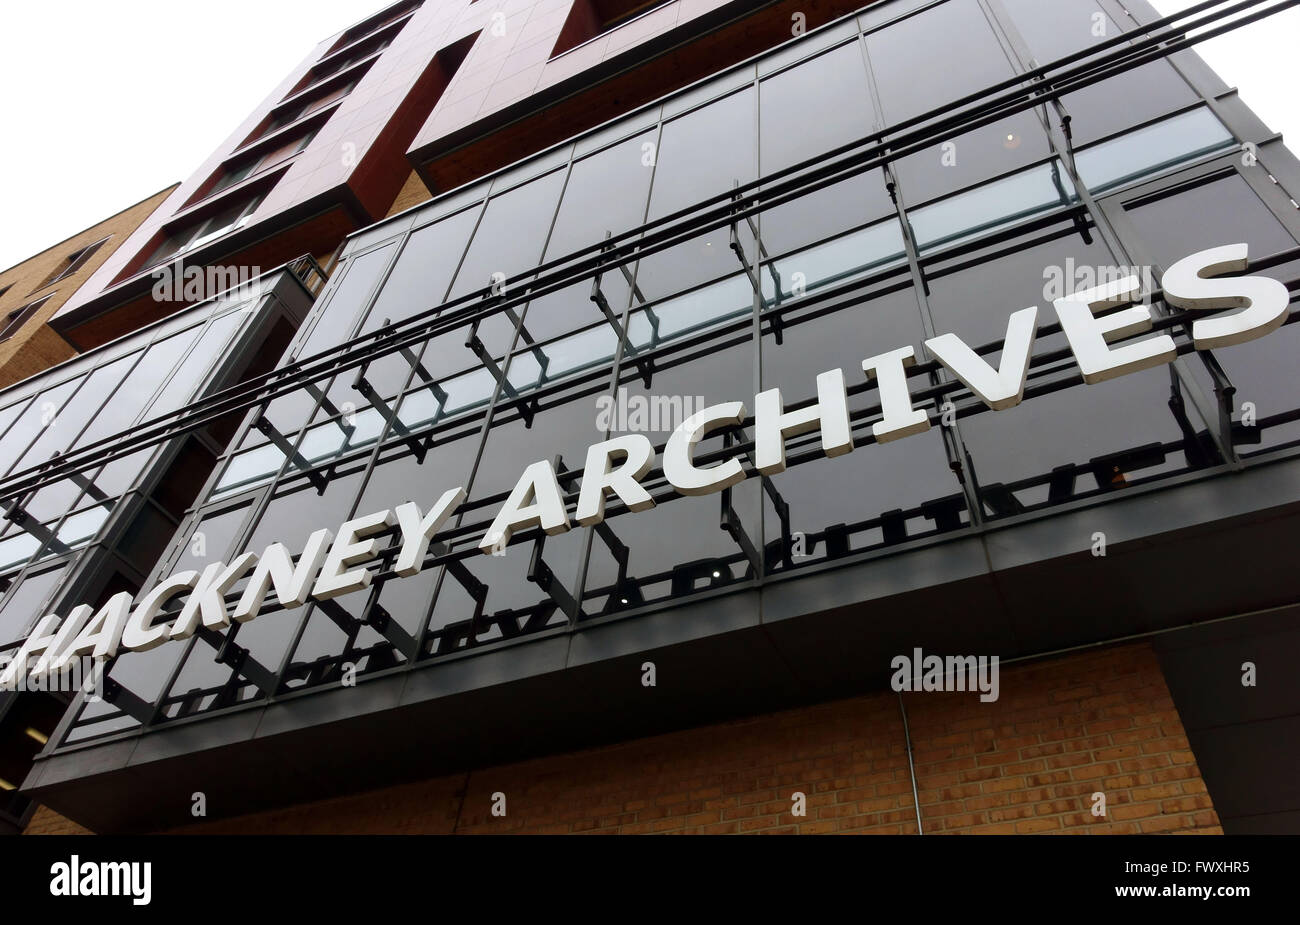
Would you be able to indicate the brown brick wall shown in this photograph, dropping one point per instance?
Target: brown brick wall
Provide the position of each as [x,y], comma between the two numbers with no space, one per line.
[1030,762]
[46,821]
[1061,731]
[413,193]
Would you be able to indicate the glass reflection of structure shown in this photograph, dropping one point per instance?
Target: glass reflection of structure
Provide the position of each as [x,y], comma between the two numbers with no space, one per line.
[722,241]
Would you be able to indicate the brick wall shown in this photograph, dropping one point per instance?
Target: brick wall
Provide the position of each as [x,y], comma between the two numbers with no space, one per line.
[413,193]
[36,346]
[1061,730]
[46,821]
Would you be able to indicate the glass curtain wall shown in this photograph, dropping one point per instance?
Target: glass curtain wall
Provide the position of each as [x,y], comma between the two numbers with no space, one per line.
[535,313]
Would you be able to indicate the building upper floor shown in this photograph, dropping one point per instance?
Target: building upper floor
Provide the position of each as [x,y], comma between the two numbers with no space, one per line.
[32,292]
[416,100]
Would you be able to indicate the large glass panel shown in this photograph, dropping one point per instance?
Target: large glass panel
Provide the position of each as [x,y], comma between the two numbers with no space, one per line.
[991,207]
[1262,370]
[43,411]
[606,193]
[380,377]
[23,607]
[332,640]
[136,390]
[64,427]
[453,378]
[655,399]
[510,604]
[80,527]
[885,494]
[825,213]
[402,476]
[338,316]
[8,416]
[537,366]
[974,295]
[576,306]
[424,270]
[933,58]
[16,549]
[198,364]
[801,117]
[1062,27]
[1148,91]
[837,261]
[289,519]
[1054,30]
[702,258]
[691,312]
[1150,150]
[511,237]
[250,467]
[1062,445]
[880,494]
[955,163]
[341,435]
[700,555]
[563,425]
[704,153]
[816,339]
[211,540]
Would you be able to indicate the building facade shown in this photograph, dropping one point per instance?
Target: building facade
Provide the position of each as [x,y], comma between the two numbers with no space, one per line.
[32,292]
[564,225]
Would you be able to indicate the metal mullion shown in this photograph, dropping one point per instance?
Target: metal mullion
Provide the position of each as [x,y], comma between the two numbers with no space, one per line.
[1207,407]
[1121,239]
[1186,43]
[731,519]
[616,362]
[310,608]
[959,459]
[421,347]
[485,427]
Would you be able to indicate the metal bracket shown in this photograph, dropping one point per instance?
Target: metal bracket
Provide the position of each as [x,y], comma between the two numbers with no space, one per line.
[82,481]
[527,410]
[383,623]
[130,703]
[18,515]
[269,430]
[239,659]
[389,413]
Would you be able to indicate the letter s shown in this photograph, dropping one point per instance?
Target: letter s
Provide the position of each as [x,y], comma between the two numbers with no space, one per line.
[1265,301]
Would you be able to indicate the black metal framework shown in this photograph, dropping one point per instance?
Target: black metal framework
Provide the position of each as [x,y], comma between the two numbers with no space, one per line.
[46,533]
[371,400]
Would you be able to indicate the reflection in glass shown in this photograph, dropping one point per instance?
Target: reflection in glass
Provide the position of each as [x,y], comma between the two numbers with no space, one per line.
[423,271]
[450,396]
[700,154]
[933,58]
[534,367]
[26,602]
[1152,149]
[17,549]
[691,312]
[338,315]
[849,257]
[250,467]
[82,526]
[338,436]
[997,205]
[799,120]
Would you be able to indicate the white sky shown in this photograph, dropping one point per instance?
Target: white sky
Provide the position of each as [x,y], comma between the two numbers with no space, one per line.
[109,101]
[105,102]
